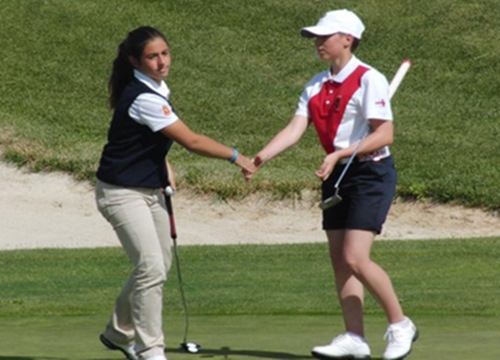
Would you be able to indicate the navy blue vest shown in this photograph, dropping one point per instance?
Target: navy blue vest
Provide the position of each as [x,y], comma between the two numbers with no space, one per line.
[134,155]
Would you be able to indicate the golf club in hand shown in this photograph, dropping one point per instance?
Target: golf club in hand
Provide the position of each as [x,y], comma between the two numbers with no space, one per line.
[189,347]
[393,86]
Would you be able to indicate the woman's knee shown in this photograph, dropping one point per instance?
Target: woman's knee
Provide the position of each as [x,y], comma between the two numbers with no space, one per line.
[151,272]
[356,263]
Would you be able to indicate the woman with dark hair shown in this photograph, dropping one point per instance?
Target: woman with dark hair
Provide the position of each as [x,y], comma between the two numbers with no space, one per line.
[132,174]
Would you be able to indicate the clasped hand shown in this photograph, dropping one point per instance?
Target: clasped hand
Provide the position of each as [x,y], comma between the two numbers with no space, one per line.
[323,172]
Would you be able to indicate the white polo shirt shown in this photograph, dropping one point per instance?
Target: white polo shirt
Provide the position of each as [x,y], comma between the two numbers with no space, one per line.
[369,101]
[152,110]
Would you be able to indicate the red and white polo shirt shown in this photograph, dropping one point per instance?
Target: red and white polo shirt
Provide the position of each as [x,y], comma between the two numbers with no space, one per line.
[340,105]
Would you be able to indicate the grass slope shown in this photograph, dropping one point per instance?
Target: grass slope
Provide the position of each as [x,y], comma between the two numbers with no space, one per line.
[238,70]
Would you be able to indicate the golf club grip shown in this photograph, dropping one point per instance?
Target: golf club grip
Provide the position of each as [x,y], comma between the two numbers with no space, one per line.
[170,211]
[398,77]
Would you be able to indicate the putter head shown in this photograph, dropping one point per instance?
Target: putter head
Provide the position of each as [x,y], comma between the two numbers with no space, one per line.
[190,347]
[331,201]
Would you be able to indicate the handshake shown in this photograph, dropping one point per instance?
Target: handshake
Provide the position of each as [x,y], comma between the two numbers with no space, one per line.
[248,166]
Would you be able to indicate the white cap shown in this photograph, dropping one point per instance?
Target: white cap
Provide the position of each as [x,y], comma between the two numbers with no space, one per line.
[343,21]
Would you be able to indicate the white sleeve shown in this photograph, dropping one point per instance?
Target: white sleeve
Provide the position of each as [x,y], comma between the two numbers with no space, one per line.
[153,111]
[302,106]
[376,102]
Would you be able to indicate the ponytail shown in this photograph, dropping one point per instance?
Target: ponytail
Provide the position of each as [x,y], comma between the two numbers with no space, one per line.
[123,70]
[121,75]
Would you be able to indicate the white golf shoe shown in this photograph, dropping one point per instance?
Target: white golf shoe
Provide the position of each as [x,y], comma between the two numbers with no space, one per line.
[400,338]
[345,346]
[154,357]
[127,350]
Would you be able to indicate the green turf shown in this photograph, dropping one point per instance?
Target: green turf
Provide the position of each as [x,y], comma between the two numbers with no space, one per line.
[247,337]
[252,301]
[432,277]
[237,76]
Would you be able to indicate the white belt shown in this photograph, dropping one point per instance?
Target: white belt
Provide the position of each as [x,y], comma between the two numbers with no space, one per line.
[376,155]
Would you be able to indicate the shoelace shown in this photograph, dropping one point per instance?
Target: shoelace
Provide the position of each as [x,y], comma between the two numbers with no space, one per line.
[393,336]
[339,339]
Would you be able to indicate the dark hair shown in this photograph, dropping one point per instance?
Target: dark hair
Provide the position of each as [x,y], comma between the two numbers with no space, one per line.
[123,71]
[355,44]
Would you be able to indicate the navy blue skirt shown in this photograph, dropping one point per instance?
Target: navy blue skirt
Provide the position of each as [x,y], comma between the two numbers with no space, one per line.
[367,192]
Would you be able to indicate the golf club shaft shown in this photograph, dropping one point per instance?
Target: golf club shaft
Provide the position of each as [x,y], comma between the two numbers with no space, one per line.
[393,86]
[173,235]
[351,158]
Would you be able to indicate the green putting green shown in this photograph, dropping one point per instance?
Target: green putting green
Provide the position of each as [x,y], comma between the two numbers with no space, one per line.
[246,337]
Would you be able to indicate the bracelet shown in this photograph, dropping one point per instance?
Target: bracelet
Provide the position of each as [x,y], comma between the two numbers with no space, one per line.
[234,157]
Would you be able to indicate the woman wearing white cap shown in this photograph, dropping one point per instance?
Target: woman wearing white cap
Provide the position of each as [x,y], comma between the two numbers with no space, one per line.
[350,108]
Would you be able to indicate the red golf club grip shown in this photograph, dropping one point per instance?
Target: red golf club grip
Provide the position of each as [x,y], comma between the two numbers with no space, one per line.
[170,210]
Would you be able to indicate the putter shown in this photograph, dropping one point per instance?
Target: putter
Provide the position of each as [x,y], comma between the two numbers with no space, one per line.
[189,347]
[336,198]
[393,86]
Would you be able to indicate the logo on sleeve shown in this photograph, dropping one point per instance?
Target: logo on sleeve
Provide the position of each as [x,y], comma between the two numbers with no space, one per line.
[380,103]
[166,110]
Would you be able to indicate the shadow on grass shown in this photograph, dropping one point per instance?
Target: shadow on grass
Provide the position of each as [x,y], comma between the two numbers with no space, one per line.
[37,358]
[226,351]
[28,358]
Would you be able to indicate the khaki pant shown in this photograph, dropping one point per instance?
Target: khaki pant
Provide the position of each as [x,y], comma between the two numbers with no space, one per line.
[140,220]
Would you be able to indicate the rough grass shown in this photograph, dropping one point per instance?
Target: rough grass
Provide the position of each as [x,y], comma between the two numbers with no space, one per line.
[238,70]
